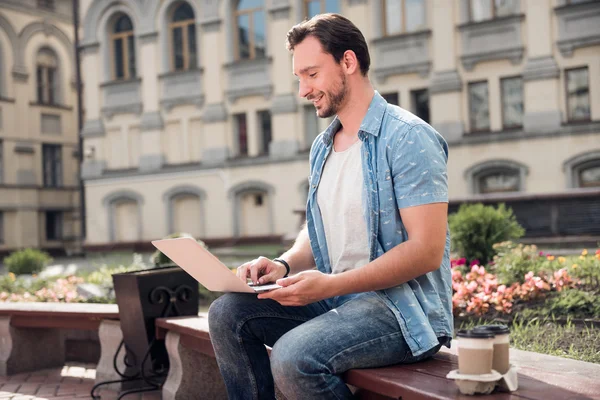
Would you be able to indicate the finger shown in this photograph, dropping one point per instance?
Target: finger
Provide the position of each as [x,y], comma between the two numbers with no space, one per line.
[290,280]
[276,294]
[259,265]
[242,272]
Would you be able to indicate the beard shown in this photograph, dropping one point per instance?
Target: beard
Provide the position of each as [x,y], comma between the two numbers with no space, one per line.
[336,96]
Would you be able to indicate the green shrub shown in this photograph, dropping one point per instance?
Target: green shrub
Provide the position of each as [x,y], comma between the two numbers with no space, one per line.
[28,261]
[475,228]
[574,303]
[513,261]
[160,259]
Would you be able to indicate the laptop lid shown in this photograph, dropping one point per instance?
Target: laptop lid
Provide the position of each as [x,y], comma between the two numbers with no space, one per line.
[201,265]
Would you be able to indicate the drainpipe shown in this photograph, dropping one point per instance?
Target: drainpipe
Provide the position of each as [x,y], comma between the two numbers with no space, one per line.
[82,214]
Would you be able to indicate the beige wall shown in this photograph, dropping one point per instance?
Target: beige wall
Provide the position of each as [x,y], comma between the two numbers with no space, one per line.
[188,135]
[23,199]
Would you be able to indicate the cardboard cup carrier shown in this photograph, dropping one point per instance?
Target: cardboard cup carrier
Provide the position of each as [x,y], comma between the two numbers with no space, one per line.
[483,360]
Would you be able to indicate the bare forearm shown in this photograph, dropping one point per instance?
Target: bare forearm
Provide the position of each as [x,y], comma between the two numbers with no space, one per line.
[399,265]
[300,257]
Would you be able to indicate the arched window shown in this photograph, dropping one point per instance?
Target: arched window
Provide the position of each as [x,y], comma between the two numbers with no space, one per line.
[183,38]
[498,181]
[250,29]
[314,7]
[496,176]
[583,170]
[47,77]
[589,175]
[123,48]
[252,209]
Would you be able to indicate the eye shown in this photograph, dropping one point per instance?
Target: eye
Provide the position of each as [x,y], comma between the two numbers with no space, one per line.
[314,74]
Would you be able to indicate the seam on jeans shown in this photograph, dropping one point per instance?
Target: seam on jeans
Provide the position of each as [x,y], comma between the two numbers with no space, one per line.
[328,386]
[358,345]
[241,344]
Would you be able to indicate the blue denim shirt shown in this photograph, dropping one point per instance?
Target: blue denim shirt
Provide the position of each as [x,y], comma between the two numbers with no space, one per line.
[404,165]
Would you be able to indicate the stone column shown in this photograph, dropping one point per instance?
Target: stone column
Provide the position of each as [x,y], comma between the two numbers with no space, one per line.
[191,373]
[446,84]
[284,105]
[110,336]
[541,91]
[93,132]
[151,123]
[215,116]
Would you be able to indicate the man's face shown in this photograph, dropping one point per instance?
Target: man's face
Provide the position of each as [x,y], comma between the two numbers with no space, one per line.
[322,80]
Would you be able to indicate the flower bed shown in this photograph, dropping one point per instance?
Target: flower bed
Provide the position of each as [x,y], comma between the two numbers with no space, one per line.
[523,279]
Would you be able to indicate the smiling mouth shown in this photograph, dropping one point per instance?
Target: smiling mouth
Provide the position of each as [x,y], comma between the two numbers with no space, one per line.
[317,100]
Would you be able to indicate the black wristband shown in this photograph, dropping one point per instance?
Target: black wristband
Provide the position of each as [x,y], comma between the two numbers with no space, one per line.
[285,264]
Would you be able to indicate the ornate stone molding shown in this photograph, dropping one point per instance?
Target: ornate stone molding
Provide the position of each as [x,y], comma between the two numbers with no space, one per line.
[540,68]
[445,81]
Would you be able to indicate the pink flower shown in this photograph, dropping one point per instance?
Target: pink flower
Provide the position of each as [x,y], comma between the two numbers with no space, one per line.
[474,262]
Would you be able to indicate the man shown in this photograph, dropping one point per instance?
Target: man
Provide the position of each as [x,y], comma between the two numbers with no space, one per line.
[376,232]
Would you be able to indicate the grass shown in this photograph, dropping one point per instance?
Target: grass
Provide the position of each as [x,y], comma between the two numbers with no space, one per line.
[579,342]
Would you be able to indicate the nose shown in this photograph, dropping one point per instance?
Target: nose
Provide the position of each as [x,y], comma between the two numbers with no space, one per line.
[303,89]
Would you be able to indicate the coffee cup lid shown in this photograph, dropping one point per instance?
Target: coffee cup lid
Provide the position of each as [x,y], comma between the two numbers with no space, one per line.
[473,334]
[496,329]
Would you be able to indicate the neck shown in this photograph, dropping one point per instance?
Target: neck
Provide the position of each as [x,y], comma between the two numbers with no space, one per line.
[353,112]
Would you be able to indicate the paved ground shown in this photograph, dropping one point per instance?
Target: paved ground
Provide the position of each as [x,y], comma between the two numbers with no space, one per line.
[73,381]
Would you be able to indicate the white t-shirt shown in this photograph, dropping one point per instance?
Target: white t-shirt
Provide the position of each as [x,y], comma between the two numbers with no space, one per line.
[340,200]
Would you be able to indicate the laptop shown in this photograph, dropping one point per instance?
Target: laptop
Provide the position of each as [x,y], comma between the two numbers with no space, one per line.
[205,267]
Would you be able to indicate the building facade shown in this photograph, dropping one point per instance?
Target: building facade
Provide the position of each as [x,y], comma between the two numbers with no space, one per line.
[193,122]
[39,161]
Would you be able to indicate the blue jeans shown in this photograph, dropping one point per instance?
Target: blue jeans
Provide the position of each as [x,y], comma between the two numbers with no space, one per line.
[312,345]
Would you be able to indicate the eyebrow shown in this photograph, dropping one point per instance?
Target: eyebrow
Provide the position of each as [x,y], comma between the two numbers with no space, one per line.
[304,70]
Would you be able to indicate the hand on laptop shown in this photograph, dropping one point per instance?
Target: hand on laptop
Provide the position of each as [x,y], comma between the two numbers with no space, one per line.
[261,271]
[303,288]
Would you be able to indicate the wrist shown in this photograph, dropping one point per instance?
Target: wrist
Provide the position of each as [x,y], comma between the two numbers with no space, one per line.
[281,261]
[337,285]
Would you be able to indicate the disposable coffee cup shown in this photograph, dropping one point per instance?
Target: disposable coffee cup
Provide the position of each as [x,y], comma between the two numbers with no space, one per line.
[501,362]
[475,352]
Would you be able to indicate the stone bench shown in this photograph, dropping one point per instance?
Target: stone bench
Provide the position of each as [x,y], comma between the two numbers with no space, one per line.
[32,334]
[194,370]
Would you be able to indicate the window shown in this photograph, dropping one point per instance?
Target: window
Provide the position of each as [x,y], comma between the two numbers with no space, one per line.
[242,134]
[52,165]
[392,98]
[578,95]
[264,127]
[46,4]
[183,38]
[498,181]
[420,103]
[479,112]
[258,200]
[314,7]
[400,16]
[250,28]
[123,48]
[589,176]
[311,125]
[53,225]
[481,10]
[512,102]
[47,66]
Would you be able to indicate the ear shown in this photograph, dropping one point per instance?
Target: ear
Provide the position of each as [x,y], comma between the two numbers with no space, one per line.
[349,62]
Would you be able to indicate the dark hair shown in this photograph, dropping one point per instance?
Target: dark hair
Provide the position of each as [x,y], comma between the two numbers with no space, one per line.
[336,33]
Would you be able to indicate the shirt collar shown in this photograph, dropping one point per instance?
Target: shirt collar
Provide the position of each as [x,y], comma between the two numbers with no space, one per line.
[370,124]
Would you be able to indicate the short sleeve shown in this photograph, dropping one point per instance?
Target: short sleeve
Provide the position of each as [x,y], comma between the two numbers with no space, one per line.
[419,167]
